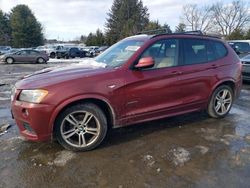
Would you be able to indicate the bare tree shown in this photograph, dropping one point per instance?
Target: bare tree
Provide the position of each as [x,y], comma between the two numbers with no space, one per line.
[197,18]
[230,17]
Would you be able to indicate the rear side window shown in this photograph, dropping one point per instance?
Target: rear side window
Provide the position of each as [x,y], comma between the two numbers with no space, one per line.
[220,49]
[197,51]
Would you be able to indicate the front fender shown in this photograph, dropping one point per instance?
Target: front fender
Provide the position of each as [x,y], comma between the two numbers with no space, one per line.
[68,101]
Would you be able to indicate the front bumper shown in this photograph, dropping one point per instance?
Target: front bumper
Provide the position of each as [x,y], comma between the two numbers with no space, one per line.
[246,72]
[33,120]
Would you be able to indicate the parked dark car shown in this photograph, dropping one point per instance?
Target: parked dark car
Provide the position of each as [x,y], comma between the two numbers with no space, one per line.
[100,50]
[25,56]
[70,52]
[139,79]
[246,67]
[241,47]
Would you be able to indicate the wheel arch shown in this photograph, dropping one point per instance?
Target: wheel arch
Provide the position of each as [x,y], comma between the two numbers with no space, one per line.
[229,82]
[103,104]
[11,58]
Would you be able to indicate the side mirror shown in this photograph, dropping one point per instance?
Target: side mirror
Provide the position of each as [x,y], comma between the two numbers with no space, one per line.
[145,62]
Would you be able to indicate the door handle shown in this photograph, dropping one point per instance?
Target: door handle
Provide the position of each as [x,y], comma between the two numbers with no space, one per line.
[214,66]
[176,72]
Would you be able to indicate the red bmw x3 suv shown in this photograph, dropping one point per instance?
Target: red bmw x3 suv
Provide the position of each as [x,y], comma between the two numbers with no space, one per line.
[140,78]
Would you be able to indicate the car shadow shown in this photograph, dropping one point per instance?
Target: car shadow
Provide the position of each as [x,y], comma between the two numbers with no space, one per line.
[125,134]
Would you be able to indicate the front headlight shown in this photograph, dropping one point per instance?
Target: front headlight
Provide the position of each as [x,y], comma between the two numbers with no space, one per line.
[33,96]
[13,93]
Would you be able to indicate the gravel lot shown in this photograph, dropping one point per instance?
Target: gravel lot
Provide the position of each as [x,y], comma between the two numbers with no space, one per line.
[191,150]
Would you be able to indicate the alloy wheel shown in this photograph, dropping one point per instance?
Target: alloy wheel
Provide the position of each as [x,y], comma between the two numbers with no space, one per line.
[80,129]
[223,101]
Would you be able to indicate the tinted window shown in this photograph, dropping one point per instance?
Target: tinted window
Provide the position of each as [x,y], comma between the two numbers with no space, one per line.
[220,49]
[33,52]
[195,51]
[22,53]
[74,50]
[164,53]
[201,51]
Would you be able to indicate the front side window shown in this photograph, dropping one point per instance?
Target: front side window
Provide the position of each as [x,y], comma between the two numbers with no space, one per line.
[22,53]
[164,53]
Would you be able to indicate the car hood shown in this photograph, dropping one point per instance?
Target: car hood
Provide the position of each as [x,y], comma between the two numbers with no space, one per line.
[245,58]
[54,75]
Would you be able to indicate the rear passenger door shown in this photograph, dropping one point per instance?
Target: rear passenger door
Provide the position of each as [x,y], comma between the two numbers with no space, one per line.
[33,55]
[199,71]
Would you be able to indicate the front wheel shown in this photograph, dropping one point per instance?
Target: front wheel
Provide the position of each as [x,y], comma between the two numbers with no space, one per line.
[81,127]
[220,102]
[9,60]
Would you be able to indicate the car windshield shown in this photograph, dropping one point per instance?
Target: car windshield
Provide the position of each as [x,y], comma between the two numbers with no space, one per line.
[119,53]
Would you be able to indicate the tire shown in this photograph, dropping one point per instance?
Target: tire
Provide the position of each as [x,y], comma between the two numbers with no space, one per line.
[52,55]
[222,96]
[10,60]
[40,60]
[73,135]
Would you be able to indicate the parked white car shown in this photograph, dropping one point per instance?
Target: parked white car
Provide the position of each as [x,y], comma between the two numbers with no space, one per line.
[246,67]
[90,50]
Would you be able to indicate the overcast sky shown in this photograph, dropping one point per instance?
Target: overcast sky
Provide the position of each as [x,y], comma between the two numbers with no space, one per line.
[68,19]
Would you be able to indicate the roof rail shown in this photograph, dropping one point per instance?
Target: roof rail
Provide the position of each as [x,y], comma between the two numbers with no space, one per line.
[155,31]
[196,32]
[164,31]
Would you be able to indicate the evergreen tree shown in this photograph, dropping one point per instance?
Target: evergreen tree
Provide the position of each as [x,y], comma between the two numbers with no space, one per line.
[236,35]
[100,40]
[5,30]
[167,28]
[26,30]
[153,25]
[181,27]
[90,39]
[83,38]
[126,17]
[247,35]
[95,39]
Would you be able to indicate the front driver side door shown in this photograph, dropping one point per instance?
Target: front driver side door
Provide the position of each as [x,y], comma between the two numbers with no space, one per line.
[154,92]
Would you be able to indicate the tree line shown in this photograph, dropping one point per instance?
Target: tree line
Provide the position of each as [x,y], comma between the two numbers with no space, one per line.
[20,28]
[128,17]
[231,20]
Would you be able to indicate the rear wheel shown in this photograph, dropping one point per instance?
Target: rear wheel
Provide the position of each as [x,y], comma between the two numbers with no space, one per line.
[220,102]
[41,60]
[9,60]
[52,55]
[81,127]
